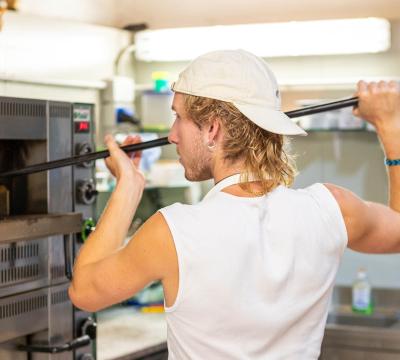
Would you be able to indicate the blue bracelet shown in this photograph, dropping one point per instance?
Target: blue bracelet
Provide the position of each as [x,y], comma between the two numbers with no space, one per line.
[389,162]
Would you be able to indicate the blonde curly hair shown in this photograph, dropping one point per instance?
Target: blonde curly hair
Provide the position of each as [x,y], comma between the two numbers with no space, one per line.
[265,155]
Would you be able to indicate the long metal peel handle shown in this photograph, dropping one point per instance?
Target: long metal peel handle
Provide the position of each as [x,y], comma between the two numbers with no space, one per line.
[323,107]
[79,159]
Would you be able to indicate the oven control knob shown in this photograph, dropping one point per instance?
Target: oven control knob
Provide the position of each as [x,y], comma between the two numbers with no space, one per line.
[89,327]
[82,149]
[86,192]
[86,356]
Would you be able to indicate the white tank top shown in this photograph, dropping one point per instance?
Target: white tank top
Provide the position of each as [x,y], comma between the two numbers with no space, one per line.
[255,274]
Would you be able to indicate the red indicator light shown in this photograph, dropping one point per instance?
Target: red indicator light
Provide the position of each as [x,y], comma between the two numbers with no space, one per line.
[82,126]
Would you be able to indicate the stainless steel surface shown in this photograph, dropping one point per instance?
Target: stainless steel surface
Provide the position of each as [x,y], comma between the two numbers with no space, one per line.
[384,298]
[36,226]
[23,266]
[23,314]
[85,171]
[22,119]
[381,317]
[59,324]
[60,140]
[38,231]
[356,336]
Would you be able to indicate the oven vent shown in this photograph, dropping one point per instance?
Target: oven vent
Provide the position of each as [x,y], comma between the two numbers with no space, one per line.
[57,271]
[19,252]
[60,110]
[19,273]
[11,108]
[59,297]
[16,308]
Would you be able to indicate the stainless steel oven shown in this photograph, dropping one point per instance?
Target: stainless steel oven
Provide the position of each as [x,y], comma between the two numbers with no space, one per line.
[44,218]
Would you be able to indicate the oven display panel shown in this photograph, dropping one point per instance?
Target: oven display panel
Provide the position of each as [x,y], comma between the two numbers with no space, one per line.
[82,117]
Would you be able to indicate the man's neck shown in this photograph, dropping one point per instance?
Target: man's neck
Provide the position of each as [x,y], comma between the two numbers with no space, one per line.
[221,172]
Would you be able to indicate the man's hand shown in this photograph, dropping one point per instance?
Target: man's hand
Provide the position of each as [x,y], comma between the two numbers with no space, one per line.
[121,164]
[379,104]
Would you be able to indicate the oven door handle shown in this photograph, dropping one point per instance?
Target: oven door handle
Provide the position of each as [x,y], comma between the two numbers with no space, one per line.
[72,345]
[68,256]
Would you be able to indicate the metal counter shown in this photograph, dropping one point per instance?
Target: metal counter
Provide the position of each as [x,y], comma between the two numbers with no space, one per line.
[126,334]
[366,337]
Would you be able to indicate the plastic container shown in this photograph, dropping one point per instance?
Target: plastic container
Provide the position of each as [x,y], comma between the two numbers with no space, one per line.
[361,294]
[157,114]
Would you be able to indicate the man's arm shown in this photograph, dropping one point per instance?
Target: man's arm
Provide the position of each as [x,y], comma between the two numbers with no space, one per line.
[149,256]
[105,272]
[372,227]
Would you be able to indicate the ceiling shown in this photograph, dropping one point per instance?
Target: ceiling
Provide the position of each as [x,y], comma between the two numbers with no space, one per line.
[180,13]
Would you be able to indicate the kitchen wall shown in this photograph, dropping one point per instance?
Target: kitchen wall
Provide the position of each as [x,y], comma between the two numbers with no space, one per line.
[350,159]
[353,160]
[46,58]
[309,72]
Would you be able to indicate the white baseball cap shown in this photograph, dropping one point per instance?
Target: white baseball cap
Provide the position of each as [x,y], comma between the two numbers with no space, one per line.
[243,79]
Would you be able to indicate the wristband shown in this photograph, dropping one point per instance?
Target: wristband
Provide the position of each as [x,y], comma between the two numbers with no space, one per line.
[394,162]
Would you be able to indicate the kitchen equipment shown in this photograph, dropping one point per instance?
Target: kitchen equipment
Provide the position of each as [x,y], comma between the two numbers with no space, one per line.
[41,230]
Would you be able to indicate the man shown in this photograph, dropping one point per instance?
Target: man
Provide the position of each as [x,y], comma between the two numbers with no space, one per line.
[248,272]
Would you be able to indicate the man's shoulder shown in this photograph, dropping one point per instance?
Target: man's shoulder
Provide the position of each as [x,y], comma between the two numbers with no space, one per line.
[155,227]
[345,198]
[178,208]
[315,190]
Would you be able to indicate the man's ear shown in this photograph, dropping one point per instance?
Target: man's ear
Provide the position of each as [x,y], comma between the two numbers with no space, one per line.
[213,130]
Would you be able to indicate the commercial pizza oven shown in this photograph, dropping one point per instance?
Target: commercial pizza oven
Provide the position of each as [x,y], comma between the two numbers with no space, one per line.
[44,218]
